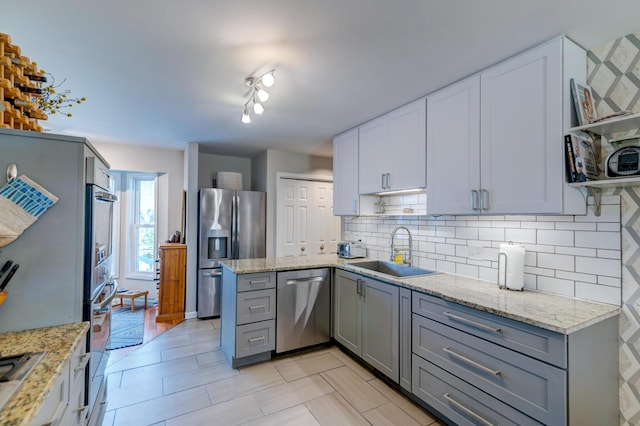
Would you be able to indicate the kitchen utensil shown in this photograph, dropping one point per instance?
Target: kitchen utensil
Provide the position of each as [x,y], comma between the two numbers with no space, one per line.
[6,267]
[9,276]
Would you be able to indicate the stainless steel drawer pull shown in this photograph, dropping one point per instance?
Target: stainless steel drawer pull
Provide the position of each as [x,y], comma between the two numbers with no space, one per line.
[466,410]
[257,307]
[305,280]
[256,339]
[257,282]
[473,323]
[84,359]
[471,362]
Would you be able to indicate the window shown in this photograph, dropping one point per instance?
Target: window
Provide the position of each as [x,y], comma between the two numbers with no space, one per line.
[142,222]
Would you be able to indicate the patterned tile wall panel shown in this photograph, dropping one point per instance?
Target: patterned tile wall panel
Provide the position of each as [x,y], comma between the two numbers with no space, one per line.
[613,73]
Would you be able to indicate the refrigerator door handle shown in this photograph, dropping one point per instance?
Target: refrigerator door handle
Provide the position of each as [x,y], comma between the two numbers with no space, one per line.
[211,274]
[235,250]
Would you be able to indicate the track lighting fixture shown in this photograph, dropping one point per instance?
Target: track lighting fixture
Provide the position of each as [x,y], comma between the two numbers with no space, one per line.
[257,94]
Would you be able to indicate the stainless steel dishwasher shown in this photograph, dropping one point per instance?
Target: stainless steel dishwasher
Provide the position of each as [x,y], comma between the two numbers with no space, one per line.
[303,309]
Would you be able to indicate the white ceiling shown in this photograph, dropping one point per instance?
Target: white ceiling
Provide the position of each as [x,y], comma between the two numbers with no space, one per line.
[164,72]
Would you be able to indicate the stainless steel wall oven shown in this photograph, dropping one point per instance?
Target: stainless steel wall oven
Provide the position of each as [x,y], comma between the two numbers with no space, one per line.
[99,286]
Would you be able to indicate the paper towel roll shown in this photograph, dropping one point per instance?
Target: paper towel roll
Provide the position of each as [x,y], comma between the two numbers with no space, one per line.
[511,257]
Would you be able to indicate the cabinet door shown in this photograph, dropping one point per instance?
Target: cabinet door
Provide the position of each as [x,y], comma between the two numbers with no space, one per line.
[521,133]
[347,311]
[381,323]
[345,174]
[374,161]
[453,148]
[407,140]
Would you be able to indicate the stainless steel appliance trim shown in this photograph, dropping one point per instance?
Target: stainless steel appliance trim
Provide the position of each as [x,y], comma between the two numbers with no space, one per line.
[107,301]
[305,280]
[105,196]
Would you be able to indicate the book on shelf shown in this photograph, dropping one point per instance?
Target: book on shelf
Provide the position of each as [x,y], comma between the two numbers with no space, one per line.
[610,116]
[580,157]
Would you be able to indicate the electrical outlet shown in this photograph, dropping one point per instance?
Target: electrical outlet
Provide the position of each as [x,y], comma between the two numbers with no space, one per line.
[475,253]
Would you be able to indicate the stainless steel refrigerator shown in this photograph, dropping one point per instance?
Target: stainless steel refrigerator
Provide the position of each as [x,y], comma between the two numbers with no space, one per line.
[232,225]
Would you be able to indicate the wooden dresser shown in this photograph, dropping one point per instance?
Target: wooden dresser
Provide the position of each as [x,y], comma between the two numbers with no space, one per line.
[171,288]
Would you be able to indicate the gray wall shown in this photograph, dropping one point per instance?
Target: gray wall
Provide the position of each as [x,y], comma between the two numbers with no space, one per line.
[210,164]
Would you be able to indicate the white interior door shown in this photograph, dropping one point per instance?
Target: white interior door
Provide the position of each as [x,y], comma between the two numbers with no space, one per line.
[305,221]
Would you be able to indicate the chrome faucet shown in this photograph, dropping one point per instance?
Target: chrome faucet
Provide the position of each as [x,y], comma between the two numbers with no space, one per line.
[409,248]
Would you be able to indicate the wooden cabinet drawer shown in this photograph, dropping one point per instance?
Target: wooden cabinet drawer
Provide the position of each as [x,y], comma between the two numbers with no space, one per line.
[539,343]
[255,338]
[531,386]
[250,282]
[254,306]
[459,401]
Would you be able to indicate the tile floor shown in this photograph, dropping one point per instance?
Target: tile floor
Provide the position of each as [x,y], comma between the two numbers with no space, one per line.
[182,378]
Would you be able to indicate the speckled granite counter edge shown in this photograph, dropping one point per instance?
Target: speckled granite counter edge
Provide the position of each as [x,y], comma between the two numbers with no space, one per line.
[58,343]
[566,316]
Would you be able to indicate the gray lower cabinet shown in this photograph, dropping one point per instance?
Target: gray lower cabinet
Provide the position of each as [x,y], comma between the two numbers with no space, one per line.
[405,339]
[247,317]
[478,368]
[367,320]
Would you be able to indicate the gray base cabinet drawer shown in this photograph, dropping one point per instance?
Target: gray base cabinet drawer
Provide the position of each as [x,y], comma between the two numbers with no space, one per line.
[542,344]
[531,386]
[254,306]
[250,282]
[255,338]
[460,402]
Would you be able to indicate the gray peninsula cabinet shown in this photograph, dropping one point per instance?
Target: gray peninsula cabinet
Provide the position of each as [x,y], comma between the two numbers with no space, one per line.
[248,317]
[478,368]
[366,320]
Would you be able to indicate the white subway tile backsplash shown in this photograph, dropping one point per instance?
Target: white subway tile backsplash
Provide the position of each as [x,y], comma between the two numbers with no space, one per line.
[520,235]
[555,285]
[576,276]
[597,266]
[601,240]
[598,293]
[467,270]
[491,234]
[556,261]
[609,254]
[578,256]
[576,226]
[556,238]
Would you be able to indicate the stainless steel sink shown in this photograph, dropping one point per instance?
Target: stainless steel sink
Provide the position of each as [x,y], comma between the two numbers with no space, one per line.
[393,269]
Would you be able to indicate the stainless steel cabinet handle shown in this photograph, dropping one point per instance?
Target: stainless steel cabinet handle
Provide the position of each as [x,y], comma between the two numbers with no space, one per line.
[474,200]
[484,200]
[382,181]
[466,410]
[256,339]
[388,180]
[364,288]
[257,282]
[257,307]
[358,282]
[471,362]
[305,280]
[473,323]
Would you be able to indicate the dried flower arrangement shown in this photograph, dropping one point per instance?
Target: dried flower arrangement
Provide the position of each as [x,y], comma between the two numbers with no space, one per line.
[52,101]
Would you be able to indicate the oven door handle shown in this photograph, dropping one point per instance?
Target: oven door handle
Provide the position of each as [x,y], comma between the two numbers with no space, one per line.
[105,196]
[107,301]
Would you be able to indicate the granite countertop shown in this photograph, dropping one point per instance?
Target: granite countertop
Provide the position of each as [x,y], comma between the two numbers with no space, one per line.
[552,312]
[58,344]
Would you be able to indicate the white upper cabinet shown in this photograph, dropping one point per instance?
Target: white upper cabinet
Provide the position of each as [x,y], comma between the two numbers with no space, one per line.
[392,150]
[453,147]
[345,174]
[495,140]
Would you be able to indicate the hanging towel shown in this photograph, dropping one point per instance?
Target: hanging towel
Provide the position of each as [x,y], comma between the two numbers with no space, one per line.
[22,202]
